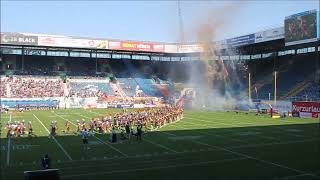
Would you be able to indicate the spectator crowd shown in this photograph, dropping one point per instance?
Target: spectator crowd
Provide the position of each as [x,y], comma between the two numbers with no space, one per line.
[24,87]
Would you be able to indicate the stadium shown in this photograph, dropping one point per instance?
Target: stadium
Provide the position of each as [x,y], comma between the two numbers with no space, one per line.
[246,107]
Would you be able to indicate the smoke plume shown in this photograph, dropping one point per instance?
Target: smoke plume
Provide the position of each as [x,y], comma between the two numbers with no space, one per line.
[210,78]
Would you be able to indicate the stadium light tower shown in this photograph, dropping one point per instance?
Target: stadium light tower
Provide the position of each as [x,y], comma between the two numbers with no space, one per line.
[181,30]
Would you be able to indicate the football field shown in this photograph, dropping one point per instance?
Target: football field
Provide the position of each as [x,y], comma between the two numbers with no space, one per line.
[203,145]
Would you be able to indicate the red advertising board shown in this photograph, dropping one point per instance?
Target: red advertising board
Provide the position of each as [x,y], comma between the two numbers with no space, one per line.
[306,109]
[136,46]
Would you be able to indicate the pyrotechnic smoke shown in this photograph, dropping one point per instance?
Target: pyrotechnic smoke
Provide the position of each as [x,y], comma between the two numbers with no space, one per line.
[212,82]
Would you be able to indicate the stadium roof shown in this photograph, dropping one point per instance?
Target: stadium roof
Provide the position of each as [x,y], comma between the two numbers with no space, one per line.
[115,44]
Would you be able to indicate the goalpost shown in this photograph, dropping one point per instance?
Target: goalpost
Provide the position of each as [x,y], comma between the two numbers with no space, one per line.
[270,110]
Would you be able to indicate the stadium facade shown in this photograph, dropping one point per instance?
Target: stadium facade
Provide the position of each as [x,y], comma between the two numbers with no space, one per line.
[282,62]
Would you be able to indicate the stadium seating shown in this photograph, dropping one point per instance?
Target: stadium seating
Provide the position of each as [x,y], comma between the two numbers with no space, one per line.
[293,75]
[311,93]
[90,89]
[148,87]
[128,85]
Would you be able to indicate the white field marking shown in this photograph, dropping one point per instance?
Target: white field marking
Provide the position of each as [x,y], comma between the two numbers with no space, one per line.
[146,161]
[219,136]
[263,124]
[269,125]
[256,145]
[261,136]
[55,140]
[275,143]
[293,130]
[184,152]
[95,136]
[248,133]
[154,168]
[95,143]
[125,155]
[209,134]
[185,137]
[278,128]
[257,159]
[165,132]
[23,147]
[9,143]
[133,156]
[260,160]
[162,146]
[294,176]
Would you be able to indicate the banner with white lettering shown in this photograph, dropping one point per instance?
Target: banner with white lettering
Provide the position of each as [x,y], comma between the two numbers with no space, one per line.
[72,42]
[136,46]
[19,39]
[269,35]
[306,109]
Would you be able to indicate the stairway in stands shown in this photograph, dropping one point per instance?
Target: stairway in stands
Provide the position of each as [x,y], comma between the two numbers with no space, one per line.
[297,89]
[66,90]
[116,88]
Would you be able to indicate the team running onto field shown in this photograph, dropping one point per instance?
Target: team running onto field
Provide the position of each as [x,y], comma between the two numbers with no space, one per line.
[127,123]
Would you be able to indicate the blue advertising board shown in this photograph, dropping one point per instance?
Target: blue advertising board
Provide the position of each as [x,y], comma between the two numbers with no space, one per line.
[242,40]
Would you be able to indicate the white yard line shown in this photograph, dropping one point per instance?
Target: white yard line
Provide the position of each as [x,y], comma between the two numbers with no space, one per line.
[275,143]
[238,126]
[9,144]
[257,145]
[294,176]
[260,160]
[162,146]
[55,140]
[254,158]
[94,136]
[210,134]
[154,168]
[245,156]
[122,153]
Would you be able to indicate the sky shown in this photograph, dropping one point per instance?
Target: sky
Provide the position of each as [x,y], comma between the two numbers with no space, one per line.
[156,21]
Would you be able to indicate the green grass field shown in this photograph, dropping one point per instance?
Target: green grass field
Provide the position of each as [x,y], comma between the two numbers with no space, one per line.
[203,145]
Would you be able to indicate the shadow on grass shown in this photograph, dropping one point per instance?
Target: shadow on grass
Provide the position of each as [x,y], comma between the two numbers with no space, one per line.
[258,152]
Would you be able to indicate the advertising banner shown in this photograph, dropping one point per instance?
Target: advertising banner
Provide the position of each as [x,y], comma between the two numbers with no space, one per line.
[18,39]
[269,35]
[83,102]
[136,46]
[170,48]
[242,40]
[190,48]
[306,109]
[72,42]
[301,28]
[221,44]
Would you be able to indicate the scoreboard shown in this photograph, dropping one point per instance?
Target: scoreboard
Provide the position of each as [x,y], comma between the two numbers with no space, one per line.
[301,28]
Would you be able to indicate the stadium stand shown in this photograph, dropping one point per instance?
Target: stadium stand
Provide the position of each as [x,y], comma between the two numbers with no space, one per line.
[32,86]
[148,87]
[128,85]
[90,88]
